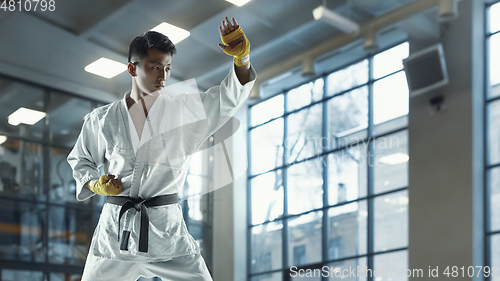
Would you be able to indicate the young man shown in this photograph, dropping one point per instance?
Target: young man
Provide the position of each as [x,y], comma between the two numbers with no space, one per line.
[145,142]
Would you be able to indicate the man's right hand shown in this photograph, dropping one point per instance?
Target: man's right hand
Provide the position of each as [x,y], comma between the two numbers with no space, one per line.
[107,185]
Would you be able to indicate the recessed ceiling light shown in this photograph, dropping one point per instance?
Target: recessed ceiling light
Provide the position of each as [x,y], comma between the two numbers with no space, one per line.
[106,68]
[2,139]
[238,2]
[174,33]
[25,116]
[393,159]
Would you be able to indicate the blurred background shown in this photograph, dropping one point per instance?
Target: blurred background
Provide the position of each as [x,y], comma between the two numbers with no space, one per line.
[346,167]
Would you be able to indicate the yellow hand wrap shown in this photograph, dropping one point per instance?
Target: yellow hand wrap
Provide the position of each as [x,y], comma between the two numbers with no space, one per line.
[104,186]
[240,52]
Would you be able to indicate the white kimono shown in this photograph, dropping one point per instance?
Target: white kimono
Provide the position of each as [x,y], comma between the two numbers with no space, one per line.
[176,128]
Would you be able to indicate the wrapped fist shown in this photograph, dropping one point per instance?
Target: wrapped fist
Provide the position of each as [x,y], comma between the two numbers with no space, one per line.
[235,42]
[107,186]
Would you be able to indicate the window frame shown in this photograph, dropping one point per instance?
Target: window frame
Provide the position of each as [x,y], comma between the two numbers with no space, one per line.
[370,138]
[488,234]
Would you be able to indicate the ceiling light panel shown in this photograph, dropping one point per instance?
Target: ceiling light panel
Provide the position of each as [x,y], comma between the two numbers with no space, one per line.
[25,116]
[238,3]
[106,68]
[174,33]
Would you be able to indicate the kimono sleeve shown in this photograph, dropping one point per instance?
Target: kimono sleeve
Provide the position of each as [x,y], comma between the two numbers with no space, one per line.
[223,101]
[87,156]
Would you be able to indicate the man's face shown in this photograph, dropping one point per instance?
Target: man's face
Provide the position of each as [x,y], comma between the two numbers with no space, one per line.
[153,71]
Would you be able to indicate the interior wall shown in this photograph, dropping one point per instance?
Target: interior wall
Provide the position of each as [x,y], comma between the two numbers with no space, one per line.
[443,218]
[230,211]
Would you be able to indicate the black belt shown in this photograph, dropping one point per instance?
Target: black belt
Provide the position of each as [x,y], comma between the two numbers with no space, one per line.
[140,205]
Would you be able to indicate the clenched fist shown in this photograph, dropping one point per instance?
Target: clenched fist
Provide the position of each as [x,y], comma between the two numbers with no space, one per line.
[107,185]
[235,42]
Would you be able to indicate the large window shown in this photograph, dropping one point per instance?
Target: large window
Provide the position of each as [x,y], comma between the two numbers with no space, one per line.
[492,194]
[43,223]
[329,172]
[43,228]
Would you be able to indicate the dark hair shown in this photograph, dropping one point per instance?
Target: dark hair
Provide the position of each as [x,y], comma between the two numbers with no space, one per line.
[141,44]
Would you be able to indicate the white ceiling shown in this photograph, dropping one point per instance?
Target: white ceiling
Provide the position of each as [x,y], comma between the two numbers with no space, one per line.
[52,48]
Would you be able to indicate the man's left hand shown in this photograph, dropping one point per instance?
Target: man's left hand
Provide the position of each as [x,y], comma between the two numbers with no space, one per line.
[235,42]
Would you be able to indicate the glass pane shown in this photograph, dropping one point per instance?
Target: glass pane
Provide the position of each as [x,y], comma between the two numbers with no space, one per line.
[66,118]
[494,17]
[305,186]
[196,181]
[16,275]
[390,61]
[347,233]
[267,248]
[304,133]
[267,197]
[304,239]
[21,226]
[493,131]
[342,270]
[197,225]
[195,214]
[494,198]
[392,266]
[392,125]
[346,175]
[62,185]
[494,256]
[391,221]
[64,277]
[304,95]
[14,96]
[347,118]
[494,64]
[267,110]
[347,78]
[21,170]
[278,276]
[391,162]
[390,98]
[495,90]
[70,232]
[267,146]
[194,202]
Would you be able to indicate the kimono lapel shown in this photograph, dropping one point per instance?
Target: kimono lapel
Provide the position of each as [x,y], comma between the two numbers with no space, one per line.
[124,120]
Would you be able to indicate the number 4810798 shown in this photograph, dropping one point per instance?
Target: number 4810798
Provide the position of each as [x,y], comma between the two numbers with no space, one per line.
[470,271]
[28,5]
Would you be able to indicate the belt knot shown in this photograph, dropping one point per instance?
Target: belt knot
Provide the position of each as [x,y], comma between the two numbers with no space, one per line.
[138,203]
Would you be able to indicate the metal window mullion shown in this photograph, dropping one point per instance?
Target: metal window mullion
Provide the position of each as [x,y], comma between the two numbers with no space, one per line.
[95,206]
[486,205]
[370,182]
[284,173]
[324,164]
[46,176]
[493,33]
[249,198]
